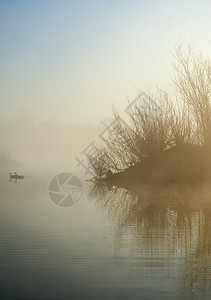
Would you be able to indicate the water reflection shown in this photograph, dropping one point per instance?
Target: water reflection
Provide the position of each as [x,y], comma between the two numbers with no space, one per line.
[169,228]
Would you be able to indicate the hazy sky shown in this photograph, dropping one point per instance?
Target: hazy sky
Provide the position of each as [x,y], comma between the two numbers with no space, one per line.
[72,60]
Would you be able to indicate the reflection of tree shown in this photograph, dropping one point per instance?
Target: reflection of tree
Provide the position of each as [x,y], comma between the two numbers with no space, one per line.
[196,276]
[117,202]
[173,224]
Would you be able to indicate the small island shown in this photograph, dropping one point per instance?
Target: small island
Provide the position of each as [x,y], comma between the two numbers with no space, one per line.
[181,164]
[168,137]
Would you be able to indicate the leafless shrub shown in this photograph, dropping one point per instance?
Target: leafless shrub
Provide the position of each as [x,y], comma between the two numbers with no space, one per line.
[193,84]
[155,126]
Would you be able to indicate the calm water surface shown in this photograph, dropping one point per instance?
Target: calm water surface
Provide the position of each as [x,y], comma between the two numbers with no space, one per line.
[114,244]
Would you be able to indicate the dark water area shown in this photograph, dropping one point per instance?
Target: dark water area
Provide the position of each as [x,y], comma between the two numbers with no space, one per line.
[147,243]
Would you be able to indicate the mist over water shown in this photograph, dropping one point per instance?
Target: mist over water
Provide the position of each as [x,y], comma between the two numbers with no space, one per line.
[41,146]
[64,64]
[113,244]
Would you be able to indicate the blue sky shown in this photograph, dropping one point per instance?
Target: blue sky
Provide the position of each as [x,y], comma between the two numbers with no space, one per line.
[71,60]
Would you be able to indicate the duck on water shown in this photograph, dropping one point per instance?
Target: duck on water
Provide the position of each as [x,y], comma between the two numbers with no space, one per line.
[15,176]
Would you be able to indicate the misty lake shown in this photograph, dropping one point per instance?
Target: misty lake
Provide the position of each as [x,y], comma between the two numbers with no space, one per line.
[113,244]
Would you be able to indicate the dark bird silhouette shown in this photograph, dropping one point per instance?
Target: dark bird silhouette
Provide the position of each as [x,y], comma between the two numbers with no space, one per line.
[12,176]
[15,176]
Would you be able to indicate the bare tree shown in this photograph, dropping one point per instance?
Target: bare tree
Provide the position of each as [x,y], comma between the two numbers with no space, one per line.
[193,84]
[155,126]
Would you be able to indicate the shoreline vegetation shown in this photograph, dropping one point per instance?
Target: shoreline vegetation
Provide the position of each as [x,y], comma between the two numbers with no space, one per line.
[167,139]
